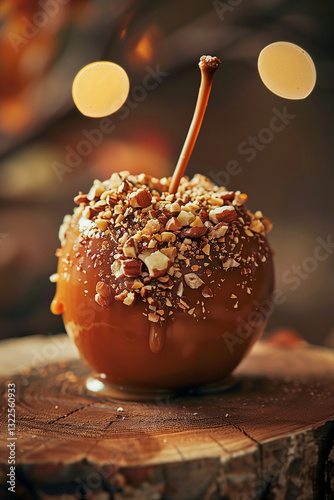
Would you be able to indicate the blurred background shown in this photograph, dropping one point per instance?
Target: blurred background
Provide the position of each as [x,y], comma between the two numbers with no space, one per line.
[49,151]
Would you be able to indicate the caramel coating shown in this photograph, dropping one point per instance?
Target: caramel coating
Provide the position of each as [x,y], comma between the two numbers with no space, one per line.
[214,318]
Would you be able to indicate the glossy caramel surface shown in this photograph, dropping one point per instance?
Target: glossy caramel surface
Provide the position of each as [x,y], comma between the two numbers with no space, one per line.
[114,341]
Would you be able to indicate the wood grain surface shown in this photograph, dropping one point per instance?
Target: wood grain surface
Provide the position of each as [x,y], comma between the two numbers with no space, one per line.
[269,437]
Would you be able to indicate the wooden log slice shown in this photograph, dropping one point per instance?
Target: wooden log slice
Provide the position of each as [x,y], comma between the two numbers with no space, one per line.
[269,437]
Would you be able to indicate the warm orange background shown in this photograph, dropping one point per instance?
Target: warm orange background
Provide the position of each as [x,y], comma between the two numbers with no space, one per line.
[290,179]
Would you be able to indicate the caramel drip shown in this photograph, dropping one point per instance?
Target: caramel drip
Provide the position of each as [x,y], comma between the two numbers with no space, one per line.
[157,337]
[57,307]
[208,66]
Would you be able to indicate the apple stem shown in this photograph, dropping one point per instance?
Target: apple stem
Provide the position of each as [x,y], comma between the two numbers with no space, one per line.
[208,66]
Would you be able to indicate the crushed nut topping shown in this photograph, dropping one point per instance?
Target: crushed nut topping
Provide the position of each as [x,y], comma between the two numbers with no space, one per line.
[163,248]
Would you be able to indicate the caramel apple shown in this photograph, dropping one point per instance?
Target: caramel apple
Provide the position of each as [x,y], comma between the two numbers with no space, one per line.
[153,286]
[159,280]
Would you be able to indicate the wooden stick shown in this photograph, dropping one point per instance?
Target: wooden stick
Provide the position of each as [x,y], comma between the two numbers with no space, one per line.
[208,66]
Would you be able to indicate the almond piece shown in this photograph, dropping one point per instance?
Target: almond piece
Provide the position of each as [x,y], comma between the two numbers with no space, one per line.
[124,187]
[103,289]
[140,199]
[115,180]
[230,263]
[170,252]
[131,267]
[227,195]
[130,248]
[102,301]
[207,292]
[197,223]
[121,296]
[226,213]
[218,231]
[179,292]
[96,190]
[256,226]
[130,299]
[152,244]
[186,218]
[137,284]
[167,236]
[117,270]
[173,224]
[175,208]
[240,199]
[268,225]
[152,227]
[81,198]
[193,281]
[206,249]
[193,232]
[145,253]
[154,318]
[101,224]
[157,264]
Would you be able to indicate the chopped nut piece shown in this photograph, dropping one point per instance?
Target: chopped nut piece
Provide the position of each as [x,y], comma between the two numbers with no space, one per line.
[131,267]
[218,231]
[217,201]
[197,222]
[163,279]
[170,252]
[268,225]
[193,281]
[101,224]
[230,263]
[130,299]
[117,270]
[173,224]
[248,232]
[257,226]
[207,292]
[175,208]
[180,289]
[167,236]
[137,284]
[240,199]
[193,232]
[103,289]
[153,317]
[121,296]
[54,278]
[123,239]
[102,301]
[115,180]
[81,198]
[152,227]
[186,218]
[206,249]
[227,195]
[124,187]
[141,198]
[157,264]
[130,248]
[226,213]
[120,217]
[145,253]
[96,190]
